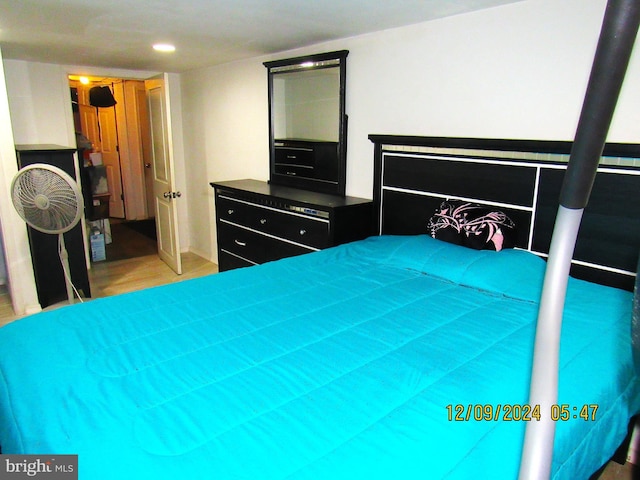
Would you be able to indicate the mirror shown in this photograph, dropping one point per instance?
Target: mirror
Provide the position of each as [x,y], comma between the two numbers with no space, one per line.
[307,122]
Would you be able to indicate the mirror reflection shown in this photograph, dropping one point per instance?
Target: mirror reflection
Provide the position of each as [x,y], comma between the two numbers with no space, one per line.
[307,122]
[306,105]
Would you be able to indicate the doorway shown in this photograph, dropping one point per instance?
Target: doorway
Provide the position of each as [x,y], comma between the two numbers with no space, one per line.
[111,121]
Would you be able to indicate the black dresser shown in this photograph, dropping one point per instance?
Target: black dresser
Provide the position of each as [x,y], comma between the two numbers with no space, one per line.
[47,268]
[258,222]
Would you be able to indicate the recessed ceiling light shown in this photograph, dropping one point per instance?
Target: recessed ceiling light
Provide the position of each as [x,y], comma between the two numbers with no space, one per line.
[164,47]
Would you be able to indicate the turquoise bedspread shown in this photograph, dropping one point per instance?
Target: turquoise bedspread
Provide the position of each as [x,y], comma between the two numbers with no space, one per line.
[336,364]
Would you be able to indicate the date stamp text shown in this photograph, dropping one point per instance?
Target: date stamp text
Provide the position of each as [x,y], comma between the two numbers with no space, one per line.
[511,412]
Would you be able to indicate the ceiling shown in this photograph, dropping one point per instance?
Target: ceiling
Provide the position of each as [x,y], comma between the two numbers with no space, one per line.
[119,33]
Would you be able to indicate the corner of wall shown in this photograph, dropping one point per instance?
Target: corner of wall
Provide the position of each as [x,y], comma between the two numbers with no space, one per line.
[22,285]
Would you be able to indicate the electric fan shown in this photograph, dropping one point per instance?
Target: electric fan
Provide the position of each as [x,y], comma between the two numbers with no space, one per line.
[49,200]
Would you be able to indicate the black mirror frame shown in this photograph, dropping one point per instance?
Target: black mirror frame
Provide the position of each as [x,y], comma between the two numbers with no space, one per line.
[309,184]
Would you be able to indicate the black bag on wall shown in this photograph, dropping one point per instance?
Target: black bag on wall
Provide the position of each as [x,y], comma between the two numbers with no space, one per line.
[101,97]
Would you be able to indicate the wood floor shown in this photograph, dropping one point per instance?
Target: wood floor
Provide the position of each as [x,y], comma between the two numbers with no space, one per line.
[128,275]
[132,264]
[615,471]
[112,278]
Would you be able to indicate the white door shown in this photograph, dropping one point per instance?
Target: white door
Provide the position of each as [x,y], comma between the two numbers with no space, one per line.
[165,195]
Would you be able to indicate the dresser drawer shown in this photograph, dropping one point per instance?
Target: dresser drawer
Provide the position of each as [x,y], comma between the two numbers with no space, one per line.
[229,261]
[296,161]
[259,222]
[292,226]
[295,156]
[255,247]
[294,170]
[236,211]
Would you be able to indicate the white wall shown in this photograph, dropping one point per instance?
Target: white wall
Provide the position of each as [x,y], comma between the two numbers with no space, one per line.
[226,137]
[22,287]
[3,262]
[40,103]
[515,71]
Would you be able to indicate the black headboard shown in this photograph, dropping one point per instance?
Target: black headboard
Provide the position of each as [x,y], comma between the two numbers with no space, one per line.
[522,177]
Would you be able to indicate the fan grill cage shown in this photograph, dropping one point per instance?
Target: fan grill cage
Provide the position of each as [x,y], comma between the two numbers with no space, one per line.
[47,198]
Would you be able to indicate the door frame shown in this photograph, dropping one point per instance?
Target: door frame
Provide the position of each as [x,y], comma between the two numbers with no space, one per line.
[172,96]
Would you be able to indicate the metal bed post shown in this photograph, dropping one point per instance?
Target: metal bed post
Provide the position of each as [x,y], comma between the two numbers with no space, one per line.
[617,37]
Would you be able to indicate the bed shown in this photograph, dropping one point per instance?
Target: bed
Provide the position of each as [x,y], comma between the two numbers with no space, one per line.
[399,356]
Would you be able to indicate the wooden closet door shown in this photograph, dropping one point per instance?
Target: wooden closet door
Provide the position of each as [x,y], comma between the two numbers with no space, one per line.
[99,125]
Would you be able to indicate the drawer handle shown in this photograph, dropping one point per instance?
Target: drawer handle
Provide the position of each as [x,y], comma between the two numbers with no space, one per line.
[230,211]
[292,157]
[242,244]
[302,231]
[263,221]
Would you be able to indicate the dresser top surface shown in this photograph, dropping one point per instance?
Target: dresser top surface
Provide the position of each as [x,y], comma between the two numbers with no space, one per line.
[42,147]
[287,193]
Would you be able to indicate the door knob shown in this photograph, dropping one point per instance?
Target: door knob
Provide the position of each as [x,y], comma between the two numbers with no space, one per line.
[171,194]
